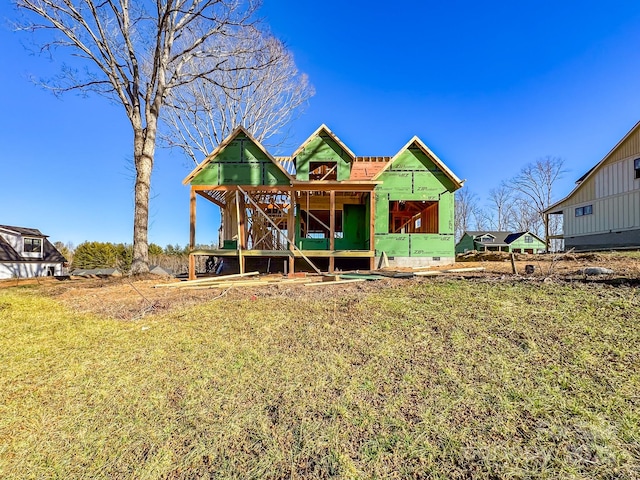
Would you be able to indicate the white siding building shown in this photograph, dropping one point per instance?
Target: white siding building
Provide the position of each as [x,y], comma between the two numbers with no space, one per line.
[26,252]
[603,210]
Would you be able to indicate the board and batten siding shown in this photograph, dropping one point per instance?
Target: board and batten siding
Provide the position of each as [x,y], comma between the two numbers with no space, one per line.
[615,197]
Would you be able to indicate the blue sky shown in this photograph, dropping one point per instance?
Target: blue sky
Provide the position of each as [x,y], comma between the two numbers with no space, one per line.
[489,86]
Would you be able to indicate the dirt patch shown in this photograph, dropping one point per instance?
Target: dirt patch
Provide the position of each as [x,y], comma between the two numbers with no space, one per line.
[128,298]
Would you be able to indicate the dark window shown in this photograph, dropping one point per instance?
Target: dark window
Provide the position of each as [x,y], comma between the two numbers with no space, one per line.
[486,239]
[586,210]
[636,167]
[528,239]
[32,245]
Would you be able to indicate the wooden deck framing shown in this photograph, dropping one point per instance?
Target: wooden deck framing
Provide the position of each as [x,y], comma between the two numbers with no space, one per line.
[251,212]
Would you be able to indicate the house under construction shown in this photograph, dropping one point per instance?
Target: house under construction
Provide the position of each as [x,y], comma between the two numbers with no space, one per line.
[325,208]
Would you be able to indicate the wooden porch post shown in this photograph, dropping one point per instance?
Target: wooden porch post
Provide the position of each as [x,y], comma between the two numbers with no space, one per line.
[332,229]
[291,230]
[192,233]
[240,232]
[372,228]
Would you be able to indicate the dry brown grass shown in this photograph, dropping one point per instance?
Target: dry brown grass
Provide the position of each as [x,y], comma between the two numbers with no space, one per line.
[428,378]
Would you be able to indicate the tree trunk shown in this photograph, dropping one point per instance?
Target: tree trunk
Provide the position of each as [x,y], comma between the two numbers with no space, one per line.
[144,148]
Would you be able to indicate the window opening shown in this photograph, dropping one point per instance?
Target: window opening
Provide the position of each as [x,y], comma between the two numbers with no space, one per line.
[413,216]
[323,171]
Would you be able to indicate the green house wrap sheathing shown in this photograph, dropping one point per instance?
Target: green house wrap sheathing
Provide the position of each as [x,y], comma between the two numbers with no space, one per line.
[323,149]
[534,244]
[241,162]
[414,176]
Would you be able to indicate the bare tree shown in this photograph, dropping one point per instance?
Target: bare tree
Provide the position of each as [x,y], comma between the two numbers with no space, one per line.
[467,212]
[501,208]
[534,185]
[262,93]
[525,218]
[136,53]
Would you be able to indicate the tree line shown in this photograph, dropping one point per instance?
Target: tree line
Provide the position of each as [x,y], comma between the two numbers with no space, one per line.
[92,255]
[516,204]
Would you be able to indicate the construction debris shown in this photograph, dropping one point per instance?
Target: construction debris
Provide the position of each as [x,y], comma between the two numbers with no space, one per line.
[243,280]
[595,271]
[207,280]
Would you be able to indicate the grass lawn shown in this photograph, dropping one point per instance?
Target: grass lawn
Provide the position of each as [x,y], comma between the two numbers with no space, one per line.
[425,379]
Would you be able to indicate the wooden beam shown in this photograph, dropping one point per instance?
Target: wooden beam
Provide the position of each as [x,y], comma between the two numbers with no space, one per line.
[239,242]
[233,188]
[332,229]
[192,233]
[291,230]
[192,266]
[329,185]
[372,229]
[192,219]
[221,278]
[242,233]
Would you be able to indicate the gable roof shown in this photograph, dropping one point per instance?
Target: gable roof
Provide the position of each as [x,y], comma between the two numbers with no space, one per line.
[333,136]
[582,180]
[499,236]
[51,253]
[32,232]
[9,254]
[232,136]
[514,236]
[434,158]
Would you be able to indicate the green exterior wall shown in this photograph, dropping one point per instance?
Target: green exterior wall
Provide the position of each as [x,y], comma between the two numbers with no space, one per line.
[354,228]
[522,245]
[465,243]
[241,162]
[355,233]
[323,149]
[413,176]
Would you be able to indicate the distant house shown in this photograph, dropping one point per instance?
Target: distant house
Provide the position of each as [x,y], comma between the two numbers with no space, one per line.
[488,241]
[603,210]
[96,272]
[159,270]
[26,252]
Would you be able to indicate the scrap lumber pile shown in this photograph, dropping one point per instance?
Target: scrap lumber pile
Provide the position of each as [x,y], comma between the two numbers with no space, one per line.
[252,279]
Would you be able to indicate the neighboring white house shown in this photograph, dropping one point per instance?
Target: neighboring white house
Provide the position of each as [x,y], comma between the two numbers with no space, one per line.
[603,210]
[26,252]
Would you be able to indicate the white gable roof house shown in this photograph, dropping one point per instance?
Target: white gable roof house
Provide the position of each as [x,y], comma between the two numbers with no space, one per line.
[26,253]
